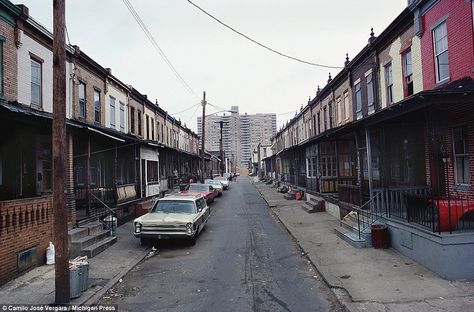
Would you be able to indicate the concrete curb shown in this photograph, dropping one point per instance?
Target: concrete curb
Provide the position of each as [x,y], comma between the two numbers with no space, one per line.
[332,287]
[111,283]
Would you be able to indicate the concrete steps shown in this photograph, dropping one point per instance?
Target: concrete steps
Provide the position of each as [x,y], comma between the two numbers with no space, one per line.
[349,231]
[313,205]
[89,240]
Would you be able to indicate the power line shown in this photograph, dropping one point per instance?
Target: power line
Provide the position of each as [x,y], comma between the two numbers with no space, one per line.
[261,44]
[185,109]
[142,25]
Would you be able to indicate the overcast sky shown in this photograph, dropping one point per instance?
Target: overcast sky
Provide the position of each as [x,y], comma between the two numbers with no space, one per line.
[231,69]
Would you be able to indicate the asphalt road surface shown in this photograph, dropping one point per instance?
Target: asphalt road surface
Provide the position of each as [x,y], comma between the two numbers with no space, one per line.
[244,261]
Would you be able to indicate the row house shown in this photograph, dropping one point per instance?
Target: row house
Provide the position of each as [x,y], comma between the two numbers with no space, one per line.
[392,136]
[122,149]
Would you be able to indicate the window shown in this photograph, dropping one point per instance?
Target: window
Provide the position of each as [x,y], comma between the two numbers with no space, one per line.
[152,172]
[97,106]
[440,41]
[112,111]
[132,120]
[147,127]
[461,155]
[340,110]
[152,129]
[346,105]
[370,93]
[330,115]
[36,93]
[158,131]
[319,122]
[358,98]
[82,100]
[139,122]
[122,116]
[311,167]
[2,40]
[325,117]
[389,83]
[407,73]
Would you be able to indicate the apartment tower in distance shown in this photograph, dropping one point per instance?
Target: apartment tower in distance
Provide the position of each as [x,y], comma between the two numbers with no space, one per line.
[241,134]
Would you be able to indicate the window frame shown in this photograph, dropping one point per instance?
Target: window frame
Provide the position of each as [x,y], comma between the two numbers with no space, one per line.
[369,78]
[139,122]
[112,110]
[132,120]
[407,75]
[347,105]
[437,55]
[358,99]
[97,106]
[81,101]
[122,115]
[388,74]
[2,78]
[39,84]
[465,155]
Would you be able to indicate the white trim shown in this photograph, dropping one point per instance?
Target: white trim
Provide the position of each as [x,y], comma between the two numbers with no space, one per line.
[356,82]
[368,73]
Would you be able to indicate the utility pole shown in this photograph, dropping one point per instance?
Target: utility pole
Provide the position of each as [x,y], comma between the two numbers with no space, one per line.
[221,123]
[203,131]
[59,154]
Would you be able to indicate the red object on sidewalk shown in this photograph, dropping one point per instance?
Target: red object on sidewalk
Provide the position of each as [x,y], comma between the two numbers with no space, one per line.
[379,236]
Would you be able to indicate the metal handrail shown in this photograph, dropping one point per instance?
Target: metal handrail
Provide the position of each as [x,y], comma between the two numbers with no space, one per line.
[104,204]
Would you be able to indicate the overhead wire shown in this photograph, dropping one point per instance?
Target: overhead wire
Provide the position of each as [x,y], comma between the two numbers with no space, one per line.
[185,109]
[261,44]
[150,37]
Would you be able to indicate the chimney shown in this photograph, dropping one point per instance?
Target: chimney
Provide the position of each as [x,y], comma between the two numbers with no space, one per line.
[318,91]
[346,63]
[77,49]
[109,70]
[330,78]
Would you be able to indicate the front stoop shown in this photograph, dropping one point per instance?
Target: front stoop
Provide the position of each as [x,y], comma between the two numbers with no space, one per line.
[89,240]
[348,231]
[314,205]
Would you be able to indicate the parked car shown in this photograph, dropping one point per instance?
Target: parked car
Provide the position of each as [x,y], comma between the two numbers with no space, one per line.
[216,185]
[205,190]
[228,175]
[224,181]
[178,216]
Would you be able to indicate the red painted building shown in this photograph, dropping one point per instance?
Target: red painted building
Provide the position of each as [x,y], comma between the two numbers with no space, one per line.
[447,40]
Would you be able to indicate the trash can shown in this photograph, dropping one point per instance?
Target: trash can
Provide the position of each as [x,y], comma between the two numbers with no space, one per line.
[379,236]
[110,223]
[74,282]
[84,276]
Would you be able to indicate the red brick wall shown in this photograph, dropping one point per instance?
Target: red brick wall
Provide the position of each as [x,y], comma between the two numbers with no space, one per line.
[10,67]
[24,223]
[460,41]
[92,82]
[460,115]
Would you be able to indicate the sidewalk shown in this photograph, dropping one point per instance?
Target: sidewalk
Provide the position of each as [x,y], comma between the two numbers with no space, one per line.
[366,279]
[105,269]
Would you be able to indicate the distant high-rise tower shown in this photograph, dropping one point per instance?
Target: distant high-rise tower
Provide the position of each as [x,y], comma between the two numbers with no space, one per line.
[241,133]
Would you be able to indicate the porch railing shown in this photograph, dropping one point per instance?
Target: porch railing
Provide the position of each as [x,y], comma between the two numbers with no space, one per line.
[25,213]
[417,205]
[364,216]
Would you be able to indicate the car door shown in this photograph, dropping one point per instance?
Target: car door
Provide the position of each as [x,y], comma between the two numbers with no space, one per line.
[203,211]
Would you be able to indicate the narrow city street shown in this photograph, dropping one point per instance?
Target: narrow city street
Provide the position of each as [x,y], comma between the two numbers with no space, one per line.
[243,261]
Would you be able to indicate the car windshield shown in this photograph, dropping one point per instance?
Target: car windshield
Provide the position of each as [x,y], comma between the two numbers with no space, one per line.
[199,187]
[221,179]
[174,206]
[213,182]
